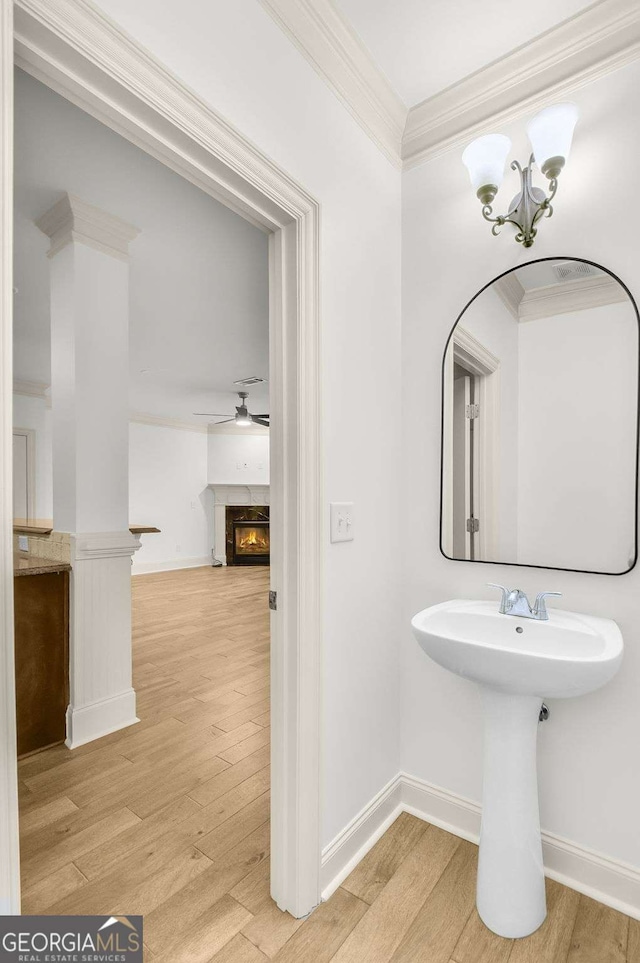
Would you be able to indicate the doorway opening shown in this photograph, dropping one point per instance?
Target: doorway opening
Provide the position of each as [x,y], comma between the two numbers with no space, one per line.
[466,524]
[160,117]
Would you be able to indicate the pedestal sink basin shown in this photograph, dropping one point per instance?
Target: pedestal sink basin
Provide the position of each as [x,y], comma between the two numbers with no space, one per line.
[517,662]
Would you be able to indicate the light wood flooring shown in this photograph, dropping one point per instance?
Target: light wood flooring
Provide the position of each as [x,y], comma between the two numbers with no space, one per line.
[170,819]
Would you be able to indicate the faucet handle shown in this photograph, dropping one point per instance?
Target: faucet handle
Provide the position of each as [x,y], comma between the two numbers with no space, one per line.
[540,608]
[505,596]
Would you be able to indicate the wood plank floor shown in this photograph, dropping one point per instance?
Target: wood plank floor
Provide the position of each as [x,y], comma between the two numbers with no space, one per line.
[170,818]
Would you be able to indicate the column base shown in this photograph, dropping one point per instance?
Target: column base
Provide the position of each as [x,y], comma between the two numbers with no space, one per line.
[86,723]
[102,699]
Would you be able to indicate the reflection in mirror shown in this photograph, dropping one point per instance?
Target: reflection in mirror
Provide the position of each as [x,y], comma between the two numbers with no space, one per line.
[540,421]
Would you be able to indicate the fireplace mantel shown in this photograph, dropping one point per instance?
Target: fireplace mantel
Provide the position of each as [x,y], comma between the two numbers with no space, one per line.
[232,494]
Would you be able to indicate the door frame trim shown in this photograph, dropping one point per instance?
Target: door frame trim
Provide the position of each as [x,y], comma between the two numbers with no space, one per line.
[83,55]
[30,435]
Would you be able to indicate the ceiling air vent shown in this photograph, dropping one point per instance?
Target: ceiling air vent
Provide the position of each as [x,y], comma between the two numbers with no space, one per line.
[246,382]
[573,270]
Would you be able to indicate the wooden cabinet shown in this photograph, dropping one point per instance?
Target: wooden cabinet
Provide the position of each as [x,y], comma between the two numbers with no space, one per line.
[42,657]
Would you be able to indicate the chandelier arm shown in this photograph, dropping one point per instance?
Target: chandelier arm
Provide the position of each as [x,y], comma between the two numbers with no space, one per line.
[498,221]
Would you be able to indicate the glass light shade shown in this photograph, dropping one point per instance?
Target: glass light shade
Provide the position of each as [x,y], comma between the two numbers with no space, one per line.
[485,158]
[243,422]
[550,133]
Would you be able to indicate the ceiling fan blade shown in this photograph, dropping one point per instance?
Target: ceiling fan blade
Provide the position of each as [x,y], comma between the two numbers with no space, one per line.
[225,421]
[260,421]
[213,414]
[263,415]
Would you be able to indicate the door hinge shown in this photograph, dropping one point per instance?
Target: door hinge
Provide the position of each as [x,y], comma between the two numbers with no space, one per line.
[273,601]
[472,411]
[473,524]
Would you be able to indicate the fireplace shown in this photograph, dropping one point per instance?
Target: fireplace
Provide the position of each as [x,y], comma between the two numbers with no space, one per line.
[247,534]
[250,544]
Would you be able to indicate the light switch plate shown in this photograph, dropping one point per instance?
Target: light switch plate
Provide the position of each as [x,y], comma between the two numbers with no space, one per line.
[23,543]
[341,521]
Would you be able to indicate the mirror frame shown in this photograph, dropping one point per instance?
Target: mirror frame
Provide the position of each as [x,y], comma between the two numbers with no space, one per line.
[553,568]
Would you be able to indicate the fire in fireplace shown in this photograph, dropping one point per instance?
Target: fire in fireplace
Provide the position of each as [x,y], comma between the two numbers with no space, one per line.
[251,542]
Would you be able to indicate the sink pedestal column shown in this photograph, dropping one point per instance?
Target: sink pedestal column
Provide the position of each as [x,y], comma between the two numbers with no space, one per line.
[511,893]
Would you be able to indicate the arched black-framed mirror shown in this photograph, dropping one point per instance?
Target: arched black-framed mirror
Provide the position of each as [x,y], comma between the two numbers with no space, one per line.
[540,421]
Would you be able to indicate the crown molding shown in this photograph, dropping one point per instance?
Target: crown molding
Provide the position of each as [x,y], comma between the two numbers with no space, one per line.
[161,421]
[510,291]
[336,52]
[579,295]
[233,429]
[593,43]
[72,219]
[587,46]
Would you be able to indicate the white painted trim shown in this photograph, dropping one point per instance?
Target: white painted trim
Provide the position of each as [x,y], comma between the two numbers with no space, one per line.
[9,847]
[233,429]
[170,565]
[72,219]
[562,298]
[597,40]
[86,723]
[335,51]
[163,421]
[610,881]
[471,353]
[103,545]
[234,494]
[510,291]
[351,845]
[30,435]
[87,58]
[31,389]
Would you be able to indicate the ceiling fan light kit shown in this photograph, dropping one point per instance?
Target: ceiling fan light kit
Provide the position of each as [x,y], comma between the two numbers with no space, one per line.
[550,133]
[243,417]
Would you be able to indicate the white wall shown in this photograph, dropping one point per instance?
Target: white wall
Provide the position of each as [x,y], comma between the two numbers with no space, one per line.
[29,412]
[589,786]
[577,438]
[239,459]
[240,61]
[168,489]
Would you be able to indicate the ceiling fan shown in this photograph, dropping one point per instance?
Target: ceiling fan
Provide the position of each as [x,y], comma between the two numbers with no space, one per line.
[242,416]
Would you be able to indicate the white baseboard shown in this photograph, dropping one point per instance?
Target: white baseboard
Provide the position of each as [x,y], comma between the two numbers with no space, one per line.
[171,564]
[86,723]
[609,881]
[356,839]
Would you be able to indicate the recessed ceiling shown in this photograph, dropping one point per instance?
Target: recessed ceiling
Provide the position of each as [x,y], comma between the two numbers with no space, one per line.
[199,302]
[424,46]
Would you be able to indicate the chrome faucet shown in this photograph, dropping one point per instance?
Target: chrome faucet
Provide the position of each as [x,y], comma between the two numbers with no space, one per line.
[515,602]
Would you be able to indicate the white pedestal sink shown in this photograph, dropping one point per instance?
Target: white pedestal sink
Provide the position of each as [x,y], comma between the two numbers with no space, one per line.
[517,662]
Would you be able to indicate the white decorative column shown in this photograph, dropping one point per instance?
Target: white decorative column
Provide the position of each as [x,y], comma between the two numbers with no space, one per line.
[89,390]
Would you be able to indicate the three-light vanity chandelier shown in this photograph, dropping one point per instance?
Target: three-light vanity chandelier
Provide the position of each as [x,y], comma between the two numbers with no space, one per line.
[550,133]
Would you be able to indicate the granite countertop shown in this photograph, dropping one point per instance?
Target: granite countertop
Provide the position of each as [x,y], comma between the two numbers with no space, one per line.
[32,565]
[46,527]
